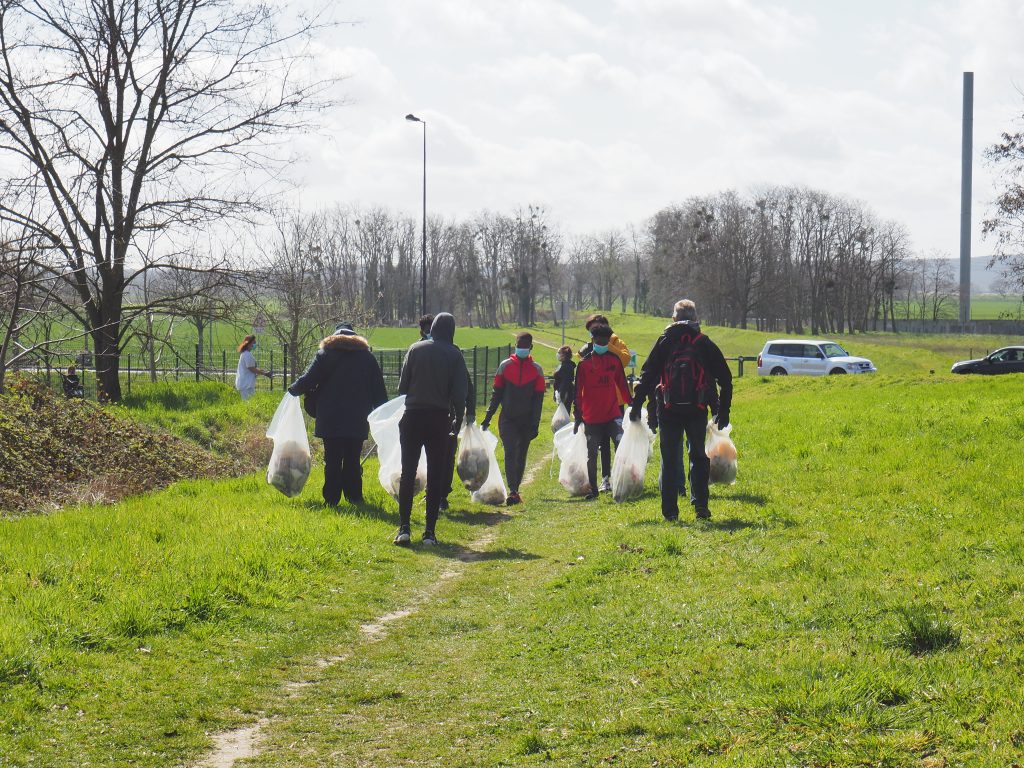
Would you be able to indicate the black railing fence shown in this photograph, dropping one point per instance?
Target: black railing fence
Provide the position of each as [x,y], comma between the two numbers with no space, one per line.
[138,368]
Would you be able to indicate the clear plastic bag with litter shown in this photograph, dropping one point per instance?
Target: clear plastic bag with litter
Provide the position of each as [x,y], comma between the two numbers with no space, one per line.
[290,461]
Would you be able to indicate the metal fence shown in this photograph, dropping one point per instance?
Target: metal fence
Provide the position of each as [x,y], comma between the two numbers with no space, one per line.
[136,368]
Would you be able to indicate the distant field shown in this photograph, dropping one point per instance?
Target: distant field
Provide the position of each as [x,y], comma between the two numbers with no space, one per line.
[400,338]
[982,308]
[892,353]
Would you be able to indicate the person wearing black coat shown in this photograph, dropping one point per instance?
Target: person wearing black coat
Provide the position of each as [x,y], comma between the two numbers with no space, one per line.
[684,419]
[348,384]
[564,384]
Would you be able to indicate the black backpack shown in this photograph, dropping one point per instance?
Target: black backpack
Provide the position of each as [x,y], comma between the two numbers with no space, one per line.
[684,382]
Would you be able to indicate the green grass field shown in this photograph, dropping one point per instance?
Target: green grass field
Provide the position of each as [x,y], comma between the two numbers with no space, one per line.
[855,600]
[984,307]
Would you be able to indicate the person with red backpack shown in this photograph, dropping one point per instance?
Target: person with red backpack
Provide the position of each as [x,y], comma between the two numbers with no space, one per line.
[685,373]
[601,392]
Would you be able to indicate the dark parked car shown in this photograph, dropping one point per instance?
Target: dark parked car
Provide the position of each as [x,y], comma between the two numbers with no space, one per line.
[1005,360]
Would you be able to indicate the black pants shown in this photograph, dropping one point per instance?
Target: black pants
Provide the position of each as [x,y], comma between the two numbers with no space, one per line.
[417,430]
[673,427]
[606,449]
[449,472]
[515,439]
[598,434]
[342,471]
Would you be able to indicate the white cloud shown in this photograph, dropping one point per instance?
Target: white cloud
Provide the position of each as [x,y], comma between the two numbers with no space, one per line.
[606,111]
[739,23]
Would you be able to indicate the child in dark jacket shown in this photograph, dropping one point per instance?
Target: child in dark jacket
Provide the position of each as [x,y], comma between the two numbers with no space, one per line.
[565,377]
[601,392]
[519,392]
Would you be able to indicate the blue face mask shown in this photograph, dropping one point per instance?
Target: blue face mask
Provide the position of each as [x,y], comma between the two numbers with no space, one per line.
[600,348]
[522,354]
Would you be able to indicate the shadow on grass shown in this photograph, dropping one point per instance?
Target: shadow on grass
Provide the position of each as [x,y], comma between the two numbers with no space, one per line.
[475,517]
[748,498]
[466,554]
[367,510]
[727,524]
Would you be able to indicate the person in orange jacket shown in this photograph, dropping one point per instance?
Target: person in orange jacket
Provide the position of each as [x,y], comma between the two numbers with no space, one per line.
[615,345]
[601,393]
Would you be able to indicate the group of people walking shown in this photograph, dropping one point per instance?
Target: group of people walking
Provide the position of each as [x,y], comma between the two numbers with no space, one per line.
[684,378]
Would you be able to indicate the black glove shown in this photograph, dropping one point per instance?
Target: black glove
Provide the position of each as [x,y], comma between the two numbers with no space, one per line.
[486,422]
[576,427]
[722,420]
[652,423]
[634,413]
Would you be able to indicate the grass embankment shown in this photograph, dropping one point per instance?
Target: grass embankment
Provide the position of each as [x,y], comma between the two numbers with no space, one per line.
[855,600]
[55,451]
[208,413]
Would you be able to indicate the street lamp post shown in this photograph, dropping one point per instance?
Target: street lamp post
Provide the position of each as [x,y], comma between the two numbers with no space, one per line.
[423,271]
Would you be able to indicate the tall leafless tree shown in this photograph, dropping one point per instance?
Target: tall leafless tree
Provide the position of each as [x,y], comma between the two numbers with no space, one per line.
[139,116]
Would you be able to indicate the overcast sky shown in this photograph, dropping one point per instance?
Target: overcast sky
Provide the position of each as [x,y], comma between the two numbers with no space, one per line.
[606,110]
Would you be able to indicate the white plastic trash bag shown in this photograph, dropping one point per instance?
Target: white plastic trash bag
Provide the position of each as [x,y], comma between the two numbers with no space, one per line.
[631,457]
[290,461]
[722,452]
[383,422]
[560,419]
[493,489]
[572,453]
[473,463]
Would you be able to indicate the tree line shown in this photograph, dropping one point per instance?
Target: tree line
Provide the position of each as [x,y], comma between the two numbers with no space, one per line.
[135,134]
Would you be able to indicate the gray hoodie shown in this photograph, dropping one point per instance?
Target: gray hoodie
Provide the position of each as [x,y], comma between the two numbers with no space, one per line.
[434,375]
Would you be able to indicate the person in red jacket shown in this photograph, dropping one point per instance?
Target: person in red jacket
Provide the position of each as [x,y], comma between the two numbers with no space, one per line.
[519,391]
[601,392]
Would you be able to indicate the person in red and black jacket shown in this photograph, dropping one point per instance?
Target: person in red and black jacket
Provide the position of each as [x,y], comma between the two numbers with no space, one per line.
[601,392]
[519,391]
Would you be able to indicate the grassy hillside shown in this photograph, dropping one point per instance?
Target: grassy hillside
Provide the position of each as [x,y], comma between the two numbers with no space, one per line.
[56,451]
[855,600]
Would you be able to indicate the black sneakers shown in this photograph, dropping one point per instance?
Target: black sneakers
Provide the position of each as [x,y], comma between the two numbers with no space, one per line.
[429,539]
[443,506]
[591,496]
[513,499]
[703,513]
[402,538]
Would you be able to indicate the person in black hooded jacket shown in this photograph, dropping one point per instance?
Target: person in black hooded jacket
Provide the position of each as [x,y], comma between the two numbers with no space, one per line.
[689,419]
[435,382]
[348,384]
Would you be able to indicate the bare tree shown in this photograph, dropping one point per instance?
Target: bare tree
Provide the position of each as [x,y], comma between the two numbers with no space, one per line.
[138,116]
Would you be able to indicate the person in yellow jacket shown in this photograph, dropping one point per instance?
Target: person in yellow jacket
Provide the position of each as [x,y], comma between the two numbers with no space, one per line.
[617,347]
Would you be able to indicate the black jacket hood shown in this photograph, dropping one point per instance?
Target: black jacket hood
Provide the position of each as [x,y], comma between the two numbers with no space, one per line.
[681,328]
[443,328]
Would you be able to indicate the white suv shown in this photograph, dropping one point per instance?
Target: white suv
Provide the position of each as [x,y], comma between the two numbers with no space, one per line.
[809,357]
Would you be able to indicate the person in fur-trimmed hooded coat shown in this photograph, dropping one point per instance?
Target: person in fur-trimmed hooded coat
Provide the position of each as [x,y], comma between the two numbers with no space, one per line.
[349,384]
